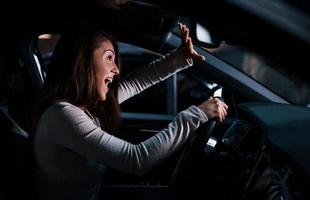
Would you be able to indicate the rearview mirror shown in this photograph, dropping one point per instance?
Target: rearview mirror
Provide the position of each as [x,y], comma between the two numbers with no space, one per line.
[199,33]
[203,36]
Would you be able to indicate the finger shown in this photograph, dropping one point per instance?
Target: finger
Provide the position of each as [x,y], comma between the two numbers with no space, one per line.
[216,100]
[221,110]
[183,28]
[189,43]
[223,116]
[183,34]
[187,38]
[180,27]
[224,110]
[224,113]
[217,112]
[225,105]
[221,105]
[220,116]
[199,56]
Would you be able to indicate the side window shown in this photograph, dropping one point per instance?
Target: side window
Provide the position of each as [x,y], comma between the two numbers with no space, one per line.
[46,44]
[154,99]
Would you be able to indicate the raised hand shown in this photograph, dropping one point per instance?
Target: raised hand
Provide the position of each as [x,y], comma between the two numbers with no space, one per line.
[187,44]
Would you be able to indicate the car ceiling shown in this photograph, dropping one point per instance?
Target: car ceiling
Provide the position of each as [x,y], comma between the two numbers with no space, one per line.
[230,20]
[141,24]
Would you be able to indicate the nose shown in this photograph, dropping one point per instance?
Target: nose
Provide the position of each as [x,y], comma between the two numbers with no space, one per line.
[115,70]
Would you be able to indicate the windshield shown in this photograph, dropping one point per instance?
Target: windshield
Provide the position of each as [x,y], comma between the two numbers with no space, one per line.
[267,73]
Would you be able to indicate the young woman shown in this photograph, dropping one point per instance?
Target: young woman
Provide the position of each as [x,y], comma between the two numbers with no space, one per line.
[78,115]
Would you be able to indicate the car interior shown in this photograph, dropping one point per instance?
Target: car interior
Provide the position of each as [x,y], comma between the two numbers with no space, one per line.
[261,149]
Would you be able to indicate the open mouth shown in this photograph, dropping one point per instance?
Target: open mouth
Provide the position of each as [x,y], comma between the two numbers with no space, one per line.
[108,81]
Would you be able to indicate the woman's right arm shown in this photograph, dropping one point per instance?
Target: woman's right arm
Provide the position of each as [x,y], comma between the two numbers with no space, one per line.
[71,128]
[75,131]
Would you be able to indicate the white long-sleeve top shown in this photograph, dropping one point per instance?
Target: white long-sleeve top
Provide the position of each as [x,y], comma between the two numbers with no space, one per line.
[72,150]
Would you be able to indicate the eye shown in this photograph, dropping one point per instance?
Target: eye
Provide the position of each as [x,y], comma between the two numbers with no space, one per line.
[110,58]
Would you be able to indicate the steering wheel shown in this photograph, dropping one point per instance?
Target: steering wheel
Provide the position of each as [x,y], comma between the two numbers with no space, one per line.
[191,150]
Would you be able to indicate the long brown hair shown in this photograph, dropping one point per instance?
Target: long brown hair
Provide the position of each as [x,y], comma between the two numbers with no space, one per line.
[71,77]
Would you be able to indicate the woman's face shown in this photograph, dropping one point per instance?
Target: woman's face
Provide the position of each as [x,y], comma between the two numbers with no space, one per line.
[105,67]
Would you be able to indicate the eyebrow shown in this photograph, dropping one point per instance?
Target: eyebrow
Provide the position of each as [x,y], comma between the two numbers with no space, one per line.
[109,50]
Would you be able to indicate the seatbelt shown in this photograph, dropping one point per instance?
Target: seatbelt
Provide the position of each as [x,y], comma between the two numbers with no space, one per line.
[15,127]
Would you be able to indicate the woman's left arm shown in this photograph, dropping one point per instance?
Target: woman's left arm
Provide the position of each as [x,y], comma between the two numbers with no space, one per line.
[154,72]
[160,69]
